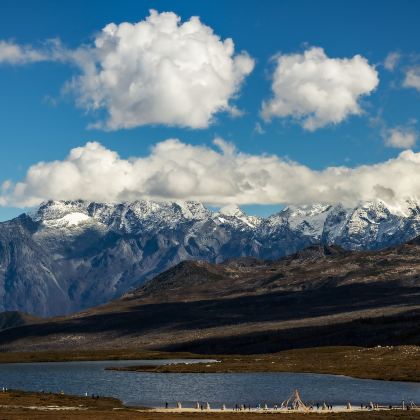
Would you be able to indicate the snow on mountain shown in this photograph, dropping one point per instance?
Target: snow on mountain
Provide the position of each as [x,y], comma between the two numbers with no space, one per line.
[307,219]
[232,210]
[54,210]
[234,215]
[70,255]
[372,225]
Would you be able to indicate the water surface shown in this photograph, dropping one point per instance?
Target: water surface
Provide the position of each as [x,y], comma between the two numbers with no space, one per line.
[154,389]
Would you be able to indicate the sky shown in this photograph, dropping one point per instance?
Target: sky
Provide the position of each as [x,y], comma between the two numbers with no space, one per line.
[259,103]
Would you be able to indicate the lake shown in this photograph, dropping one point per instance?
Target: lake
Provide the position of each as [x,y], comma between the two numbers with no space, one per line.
[154,389]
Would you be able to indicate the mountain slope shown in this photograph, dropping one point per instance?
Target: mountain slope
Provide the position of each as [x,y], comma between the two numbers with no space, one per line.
[319,296]
[13,319]
[71,255]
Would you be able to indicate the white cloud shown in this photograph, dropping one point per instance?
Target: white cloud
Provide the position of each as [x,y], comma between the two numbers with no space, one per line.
[175,170]
[412,78]
[392,60]
[11,53]
[160,71]
[400,137]
[15,54]
[317,90]
[156,71]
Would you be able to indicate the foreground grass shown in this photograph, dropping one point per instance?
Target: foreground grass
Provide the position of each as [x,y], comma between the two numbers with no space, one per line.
[130,415]
[26,405]
[397,363]
[39,399]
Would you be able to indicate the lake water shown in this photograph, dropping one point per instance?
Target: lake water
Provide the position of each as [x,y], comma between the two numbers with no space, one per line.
[154,389]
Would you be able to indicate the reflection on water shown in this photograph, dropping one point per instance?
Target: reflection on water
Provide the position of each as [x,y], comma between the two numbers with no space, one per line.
[154,389]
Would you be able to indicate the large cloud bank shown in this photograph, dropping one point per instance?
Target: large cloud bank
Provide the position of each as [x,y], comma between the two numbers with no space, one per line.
[317,90]
[221,175]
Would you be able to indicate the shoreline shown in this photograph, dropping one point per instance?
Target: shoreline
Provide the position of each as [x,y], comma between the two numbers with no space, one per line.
[283,411]
[28,403]
[149,369]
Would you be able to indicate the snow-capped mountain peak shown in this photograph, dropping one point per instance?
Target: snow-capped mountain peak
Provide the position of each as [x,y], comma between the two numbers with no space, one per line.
[233,214]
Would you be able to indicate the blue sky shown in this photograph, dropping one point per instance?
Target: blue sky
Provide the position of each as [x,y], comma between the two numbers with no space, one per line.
[41,123]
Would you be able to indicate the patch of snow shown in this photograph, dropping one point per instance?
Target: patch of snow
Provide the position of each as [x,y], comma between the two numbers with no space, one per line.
[73,219]
[69,220]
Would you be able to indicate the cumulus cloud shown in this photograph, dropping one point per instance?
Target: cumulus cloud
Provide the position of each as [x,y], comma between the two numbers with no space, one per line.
[400,137]
[317,90]
[392,60]
[157,71]
[412,78]
[221,175]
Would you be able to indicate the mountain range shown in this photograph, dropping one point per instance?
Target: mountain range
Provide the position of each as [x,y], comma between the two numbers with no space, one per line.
[67,256]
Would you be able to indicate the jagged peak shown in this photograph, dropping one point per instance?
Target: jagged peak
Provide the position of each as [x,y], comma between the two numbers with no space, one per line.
[193,209]
[234,215]
[231,210]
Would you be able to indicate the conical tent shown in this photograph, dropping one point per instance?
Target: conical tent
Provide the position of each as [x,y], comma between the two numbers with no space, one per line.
[295,402]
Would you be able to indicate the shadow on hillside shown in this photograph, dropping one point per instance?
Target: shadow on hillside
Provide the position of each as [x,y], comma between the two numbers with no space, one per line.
[276,307]
[391,330]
